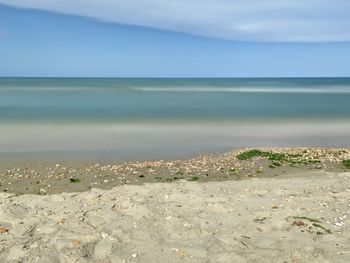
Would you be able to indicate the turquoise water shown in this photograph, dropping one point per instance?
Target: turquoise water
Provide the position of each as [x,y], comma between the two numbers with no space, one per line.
[169,118]
[115,100]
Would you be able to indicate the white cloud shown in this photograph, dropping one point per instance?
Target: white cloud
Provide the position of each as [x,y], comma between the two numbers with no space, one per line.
[257,20]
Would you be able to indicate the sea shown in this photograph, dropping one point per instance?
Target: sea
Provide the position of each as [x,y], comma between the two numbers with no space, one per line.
[121,119]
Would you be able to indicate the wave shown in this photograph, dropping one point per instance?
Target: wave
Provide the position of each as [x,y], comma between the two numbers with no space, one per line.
[328,89]
[189,89]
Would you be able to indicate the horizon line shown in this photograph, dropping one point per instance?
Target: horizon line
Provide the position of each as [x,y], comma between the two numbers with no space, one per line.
[85,77]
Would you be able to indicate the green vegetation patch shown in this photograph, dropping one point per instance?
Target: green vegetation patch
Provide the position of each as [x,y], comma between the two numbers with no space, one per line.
[178,178]
[194,178]
[312,220]
[277,158]
[74,180]
[346,163]
[323,228]
[249,154]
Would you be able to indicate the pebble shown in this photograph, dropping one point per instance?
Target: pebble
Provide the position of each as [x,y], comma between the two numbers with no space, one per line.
[3,230]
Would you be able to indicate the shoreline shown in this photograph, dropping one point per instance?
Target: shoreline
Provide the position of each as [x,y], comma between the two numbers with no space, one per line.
[267,205]
[55,177]
[133,141]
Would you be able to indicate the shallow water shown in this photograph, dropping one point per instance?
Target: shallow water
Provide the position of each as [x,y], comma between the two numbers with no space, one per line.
[170,118]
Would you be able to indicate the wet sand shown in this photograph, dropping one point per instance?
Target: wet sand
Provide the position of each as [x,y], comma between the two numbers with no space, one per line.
[56,177]
[218,209]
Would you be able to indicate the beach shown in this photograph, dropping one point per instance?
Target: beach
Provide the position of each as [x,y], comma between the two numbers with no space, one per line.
[174,131]
[174,170]
[247,205]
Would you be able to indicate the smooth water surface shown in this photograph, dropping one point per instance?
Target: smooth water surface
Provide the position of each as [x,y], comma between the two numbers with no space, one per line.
[151,118]
[115,100]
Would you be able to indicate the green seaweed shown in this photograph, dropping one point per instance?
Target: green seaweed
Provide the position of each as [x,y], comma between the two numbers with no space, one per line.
[260,220]
[74,180]
[277,158]
[313,220]
[194,178]
[178,178]
[315,223]
[249,154]
[323,228]
[346,163]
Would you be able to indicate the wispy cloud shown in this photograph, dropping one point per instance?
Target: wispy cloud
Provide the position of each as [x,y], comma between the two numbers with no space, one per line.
[252,20]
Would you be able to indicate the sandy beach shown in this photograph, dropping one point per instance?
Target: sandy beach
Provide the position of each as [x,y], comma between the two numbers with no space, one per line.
[178,131]
[259,220]
[299,215]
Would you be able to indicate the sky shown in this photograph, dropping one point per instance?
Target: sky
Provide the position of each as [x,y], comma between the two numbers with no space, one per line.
[175,38]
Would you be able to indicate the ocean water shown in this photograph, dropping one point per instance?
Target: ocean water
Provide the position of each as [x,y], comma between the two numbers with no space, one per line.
[133,100]
[171,118]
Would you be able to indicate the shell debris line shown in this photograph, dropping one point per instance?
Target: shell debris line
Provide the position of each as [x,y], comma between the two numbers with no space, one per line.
[235,165]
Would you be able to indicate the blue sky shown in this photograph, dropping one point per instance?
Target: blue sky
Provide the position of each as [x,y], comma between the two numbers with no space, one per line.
[174,38]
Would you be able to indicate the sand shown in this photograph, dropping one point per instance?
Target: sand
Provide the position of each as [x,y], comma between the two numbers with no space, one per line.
[282,205]
[284,219]
[57,177]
